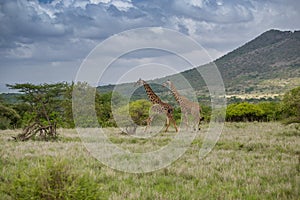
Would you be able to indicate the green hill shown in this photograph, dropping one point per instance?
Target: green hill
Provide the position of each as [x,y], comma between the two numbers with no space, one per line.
[260,64]
[267,65]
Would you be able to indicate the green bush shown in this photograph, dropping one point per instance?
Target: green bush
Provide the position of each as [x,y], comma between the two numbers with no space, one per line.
[138,112]
[291,106]
[53,180]
[205,113]
[244,112]
[271,110]
[9,118]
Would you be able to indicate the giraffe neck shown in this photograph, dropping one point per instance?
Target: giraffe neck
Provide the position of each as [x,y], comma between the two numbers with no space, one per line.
[175,93]
[151,95]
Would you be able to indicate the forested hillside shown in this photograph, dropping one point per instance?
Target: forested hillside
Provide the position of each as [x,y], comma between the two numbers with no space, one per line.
[268,64]
[274,55]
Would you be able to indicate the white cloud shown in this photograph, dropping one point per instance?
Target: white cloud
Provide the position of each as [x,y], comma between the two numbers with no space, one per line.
[122,5]
[22,51]
[198,3]
[65,31]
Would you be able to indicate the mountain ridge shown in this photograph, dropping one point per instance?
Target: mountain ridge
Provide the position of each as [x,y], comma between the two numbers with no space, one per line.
[273,55]
[268,64]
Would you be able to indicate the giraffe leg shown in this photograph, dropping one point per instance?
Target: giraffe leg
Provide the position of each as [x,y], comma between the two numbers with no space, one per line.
[197,124]
[167,123]
[186,120]
[174,122]
[171,119]
[149,120]
[196,118]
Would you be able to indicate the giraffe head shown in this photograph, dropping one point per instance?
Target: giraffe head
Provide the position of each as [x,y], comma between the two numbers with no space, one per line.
[167,84]
[139,82]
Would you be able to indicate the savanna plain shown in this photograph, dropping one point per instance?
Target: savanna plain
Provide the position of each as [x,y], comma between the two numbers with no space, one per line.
[250,161]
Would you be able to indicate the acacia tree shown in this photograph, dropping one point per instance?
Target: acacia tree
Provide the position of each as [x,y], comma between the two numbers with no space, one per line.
[66,104]
[45,109]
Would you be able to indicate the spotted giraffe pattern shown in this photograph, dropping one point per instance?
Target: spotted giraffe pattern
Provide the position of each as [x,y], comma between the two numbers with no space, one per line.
[187,106]
[158,106]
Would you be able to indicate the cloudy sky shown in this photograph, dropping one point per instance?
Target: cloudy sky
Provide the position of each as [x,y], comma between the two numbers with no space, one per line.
[47,40]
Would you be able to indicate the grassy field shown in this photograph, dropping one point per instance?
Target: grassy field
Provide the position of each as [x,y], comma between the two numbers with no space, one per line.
[250,161]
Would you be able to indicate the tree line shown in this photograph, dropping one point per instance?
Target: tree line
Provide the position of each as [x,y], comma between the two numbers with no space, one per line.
[49,106]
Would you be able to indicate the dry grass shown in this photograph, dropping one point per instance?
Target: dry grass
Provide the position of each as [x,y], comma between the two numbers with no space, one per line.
[250,161]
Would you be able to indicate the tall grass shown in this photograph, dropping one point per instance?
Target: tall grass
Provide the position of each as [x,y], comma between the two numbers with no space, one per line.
[250,161]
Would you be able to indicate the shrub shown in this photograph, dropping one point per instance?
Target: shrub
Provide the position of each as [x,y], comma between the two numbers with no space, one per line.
[244,112]
[53,180]
[9,118]
[271,110]
[291,106]
[139,111]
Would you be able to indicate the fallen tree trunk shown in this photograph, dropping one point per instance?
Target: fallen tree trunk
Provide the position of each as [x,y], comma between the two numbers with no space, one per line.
[37,130]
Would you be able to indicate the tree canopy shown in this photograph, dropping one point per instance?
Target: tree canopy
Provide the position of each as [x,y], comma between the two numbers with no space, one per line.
[42,108]
[9,118]
[244,112]
[291,106]
[45,110]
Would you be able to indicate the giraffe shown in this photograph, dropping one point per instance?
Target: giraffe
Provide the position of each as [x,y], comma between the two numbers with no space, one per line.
[187,106]
[158,106]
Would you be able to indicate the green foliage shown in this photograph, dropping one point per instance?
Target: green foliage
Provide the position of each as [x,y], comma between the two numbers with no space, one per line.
[44,101]
[9,118]
[52,104]
[101,105]
[139,111]
[45,112]
[66,106]
[244,112]
[83,107]
[10,98]
[271,110]
[53,180]
[104,109]
[177,114]
[291,106]
[206,113]
[22,109]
